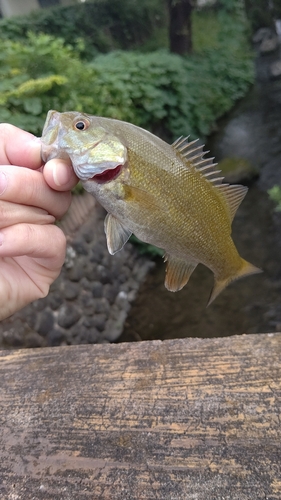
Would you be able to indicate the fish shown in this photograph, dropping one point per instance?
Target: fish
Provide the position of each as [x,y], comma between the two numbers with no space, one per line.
[166,195]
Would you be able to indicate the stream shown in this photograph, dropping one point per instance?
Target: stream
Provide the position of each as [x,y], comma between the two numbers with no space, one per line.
[252,130]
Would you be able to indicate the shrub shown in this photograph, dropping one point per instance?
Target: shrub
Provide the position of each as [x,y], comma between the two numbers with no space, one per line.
[163,92]
[275,196]
[103,25]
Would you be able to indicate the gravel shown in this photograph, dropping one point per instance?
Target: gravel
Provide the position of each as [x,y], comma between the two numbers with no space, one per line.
[90,300]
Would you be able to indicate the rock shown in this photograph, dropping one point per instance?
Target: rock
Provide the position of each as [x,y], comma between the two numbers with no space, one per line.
[13,337]
[54,300]
[76,273]
[71,290]
[110,292]
[103,275]
[46,322]
[55,337]
[269,45]
[33,339]
[99,321]
[97,289]
[237,170]
[80,247]
[122,301]
[88,236]
[87,302]
[102,305]
[85,336]
[262,34]
[275,69]
[31,319]
[68,315]
[70,257]
[98,252]
[91,271]
[114,328]
[85,284]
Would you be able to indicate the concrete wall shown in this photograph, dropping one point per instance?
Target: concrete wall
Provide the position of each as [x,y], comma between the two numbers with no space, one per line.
[17,7]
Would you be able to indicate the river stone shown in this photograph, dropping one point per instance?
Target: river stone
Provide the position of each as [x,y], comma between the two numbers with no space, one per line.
[275,69]
[99,321]
[102,305]
[54,300]
[77,272]
[46,322]
[262,34]
[55,337]
[110,292]
[269,45]
[68,315]
[114,327]
[33,339]
[71,290]
[97,289]
[13,337]
[237,170]
[80,247]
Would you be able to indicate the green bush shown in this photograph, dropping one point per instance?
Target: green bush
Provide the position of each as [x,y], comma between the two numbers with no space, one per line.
[103,25]
[275,196]
[163,92]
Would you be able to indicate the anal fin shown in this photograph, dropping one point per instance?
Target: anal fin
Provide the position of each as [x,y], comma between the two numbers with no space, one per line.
[116,234]
[178,272]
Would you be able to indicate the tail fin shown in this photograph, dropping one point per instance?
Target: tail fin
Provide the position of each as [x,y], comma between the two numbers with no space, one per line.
[245,270]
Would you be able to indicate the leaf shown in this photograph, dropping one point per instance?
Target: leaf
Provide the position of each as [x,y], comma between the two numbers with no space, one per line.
[33,105]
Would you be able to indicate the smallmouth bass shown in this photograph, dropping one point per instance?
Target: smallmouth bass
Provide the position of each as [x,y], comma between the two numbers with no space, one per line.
[167,195]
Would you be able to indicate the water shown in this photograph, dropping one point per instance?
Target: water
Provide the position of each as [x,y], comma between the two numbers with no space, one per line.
[252,131]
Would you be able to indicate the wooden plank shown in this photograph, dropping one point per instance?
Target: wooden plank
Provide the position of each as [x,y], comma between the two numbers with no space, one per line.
[185,419]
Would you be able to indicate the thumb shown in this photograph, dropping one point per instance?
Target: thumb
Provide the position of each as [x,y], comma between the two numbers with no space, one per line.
[60,175]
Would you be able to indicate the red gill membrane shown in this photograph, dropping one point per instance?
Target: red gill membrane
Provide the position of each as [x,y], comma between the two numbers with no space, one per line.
[107,175]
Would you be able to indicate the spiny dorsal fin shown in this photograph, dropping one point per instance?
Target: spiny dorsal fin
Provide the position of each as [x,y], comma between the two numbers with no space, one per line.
[234,195]
[194,154]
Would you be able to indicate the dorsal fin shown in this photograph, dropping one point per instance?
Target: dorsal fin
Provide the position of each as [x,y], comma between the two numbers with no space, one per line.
[234,195]
[194,155]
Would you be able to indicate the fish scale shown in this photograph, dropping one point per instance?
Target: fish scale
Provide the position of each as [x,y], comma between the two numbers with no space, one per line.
[167,195]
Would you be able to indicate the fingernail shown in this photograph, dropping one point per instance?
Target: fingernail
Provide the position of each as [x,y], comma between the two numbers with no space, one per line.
[61,174]
[3,182]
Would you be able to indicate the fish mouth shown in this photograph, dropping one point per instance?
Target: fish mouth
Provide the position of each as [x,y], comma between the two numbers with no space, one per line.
[107,176]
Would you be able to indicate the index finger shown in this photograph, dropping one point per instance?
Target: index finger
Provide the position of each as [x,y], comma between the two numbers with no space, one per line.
[18,147]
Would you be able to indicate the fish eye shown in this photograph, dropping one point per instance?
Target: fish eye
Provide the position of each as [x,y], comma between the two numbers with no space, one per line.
[81,125]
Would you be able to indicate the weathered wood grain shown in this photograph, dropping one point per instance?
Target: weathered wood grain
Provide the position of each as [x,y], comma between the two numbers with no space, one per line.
[185,419]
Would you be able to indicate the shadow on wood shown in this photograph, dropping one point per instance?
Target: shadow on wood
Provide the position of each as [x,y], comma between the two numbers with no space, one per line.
[183,419]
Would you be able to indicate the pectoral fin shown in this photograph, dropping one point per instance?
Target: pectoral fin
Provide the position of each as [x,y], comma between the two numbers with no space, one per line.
[116,234]
[178,272]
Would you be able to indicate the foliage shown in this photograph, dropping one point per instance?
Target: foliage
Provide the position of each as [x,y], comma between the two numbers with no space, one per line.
[163,92]
[103,25]
[275,195]
[231,6]
[41,74]
[262,13]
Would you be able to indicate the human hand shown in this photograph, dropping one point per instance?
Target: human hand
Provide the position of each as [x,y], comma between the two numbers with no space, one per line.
[32,248]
